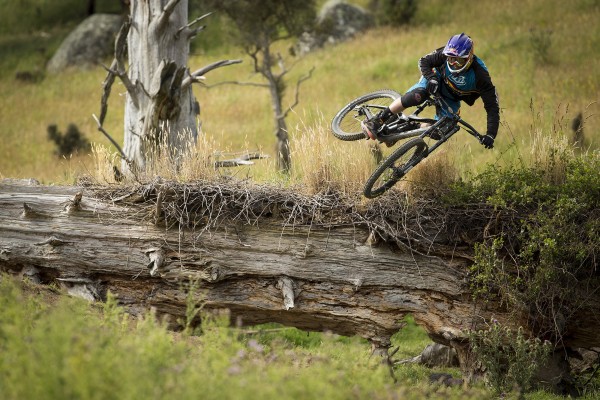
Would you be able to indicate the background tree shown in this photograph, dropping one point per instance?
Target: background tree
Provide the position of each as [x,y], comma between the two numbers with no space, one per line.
[259,24]
[160,107]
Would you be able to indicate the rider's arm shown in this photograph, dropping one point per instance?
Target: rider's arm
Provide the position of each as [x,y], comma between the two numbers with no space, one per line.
[430,61]
[490,99]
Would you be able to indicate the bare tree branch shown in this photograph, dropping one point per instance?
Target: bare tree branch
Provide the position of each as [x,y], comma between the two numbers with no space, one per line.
[254,56]
[284,69]
[101,129]
[114,71]
[121,41]
[297,95]
[117,65]
[166,13]
[242,160]
[195,76]
[106,88]
[264,85]
[194,32]
[188,26]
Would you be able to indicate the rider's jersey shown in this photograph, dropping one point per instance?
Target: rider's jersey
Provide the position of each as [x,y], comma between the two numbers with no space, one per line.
[467,85]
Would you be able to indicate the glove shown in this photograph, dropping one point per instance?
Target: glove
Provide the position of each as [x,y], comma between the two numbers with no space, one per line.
[487,141]
[433,86]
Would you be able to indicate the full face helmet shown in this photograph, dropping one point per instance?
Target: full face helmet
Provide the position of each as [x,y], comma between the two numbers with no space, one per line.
[459,53]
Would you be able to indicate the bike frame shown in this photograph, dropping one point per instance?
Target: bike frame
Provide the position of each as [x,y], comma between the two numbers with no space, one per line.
[452,120]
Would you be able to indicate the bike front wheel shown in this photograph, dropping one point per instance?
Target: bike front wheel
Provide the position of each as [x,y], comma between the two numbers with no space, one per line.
[393,168]
[346,125]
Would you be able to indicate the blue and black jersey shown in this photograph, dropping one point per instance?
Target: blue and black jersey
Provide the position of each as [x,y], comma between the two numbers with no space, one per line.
[467,86]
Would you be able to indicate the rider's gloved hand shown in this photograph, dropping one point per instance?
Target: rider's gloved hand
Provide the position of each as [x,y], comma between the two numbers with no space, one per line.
[487,141]
[433,86]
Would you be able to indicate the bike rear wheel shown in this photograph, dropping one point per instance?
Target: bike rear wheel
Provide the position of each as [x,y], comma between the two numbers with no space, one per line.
[393,168]
[346,124]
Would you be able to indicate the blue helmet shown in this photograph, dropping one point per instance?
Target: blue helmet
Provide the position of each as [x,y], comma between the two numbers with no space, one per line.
[459,53]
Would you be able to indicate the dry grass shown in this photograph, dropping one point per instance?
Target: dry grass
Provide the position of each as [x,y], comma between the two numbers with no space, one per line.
[551,149]
[432,176]
[323,163]
[194,162]
[239,118]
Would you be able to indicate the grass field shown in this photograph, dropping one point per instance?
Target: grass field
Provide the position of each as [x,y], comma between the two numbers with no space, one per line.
[56,347]
[541,54]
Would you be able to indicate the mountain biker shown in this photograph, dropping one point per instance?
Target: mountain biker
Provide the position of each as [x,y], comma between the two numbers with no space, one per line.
[456,73]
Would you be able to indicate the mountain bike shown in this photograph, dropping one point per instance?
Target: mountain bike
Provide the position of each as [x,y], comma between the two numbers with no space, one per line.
[348,125]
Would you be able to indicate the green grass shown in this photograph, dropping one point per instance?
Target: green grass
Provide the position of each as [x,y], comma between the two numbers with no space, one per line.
[546,94]
[73,350]
[57,347]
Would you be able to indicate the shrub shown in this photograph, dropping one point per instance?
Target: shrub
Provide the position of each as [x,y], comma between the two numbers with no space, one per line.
[510,359]
[393,12]
[540,41]
[540,255]
[69,142]
[71,350]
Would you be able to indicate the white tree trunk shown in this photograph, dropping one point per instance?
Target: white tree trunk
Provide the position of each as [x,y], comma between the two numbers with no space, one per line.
[158,55]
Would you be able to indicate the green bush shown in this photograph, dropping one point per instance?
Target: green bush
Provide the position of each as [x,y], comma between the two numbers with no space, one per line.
[69,142]
[393,12]
[541,249]
[510,360]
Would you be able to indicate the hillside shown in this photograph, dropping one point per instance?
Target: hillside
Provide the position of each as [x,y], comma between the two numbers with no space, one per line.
[542,60]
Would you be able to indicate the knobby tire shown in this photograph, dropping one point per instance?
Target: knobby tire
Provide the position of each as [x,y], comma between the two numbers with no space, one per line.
[409,154]
[346,126]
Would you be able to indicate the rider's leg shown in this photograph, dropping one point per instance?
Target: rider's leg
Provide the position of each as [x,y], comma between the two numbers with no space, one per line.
[415,96]
[410,99]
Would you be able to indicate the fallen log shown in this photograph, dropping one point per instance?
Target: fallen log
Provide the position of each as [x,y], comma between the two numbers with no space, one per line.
[319,265]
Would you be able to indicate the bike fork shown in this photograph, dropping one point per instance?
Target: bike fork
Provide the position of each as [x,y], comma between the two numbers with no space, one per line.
[441,141]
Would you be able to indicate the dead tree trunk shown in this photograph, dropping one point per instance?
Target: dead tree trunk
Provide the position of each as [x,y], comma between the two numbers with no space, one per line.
[265,265]
[282,146]
[158,58]
[160,109]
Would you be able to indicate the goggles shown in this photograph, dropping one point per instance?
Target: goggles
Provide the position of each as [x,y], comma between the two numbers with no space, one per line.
[457,62]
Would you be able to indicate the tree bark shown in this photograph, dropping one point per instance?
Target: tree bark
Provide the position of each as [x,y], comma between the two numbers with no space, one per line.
[160,110]
[330,277]
[282,146]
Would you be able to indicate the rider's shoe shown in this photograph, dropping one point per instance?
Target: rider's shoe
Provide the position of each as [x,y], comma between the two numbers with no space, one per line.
[402,116]
[372,127]
[434,135]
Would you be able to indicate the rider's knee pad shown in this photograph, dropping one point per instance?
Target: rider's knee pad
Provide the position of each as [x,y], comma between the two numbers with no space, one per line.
[414,97]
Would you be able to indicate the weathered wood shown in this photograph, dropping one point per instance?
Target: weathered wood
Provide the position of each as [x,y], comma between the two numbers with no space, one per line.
[315,278]
[161,111]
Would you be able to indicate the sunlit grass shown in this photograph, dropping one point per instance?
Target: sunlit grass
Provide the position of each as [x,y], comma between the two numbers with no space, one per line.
[323,163]
[73,350]
[239,118]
